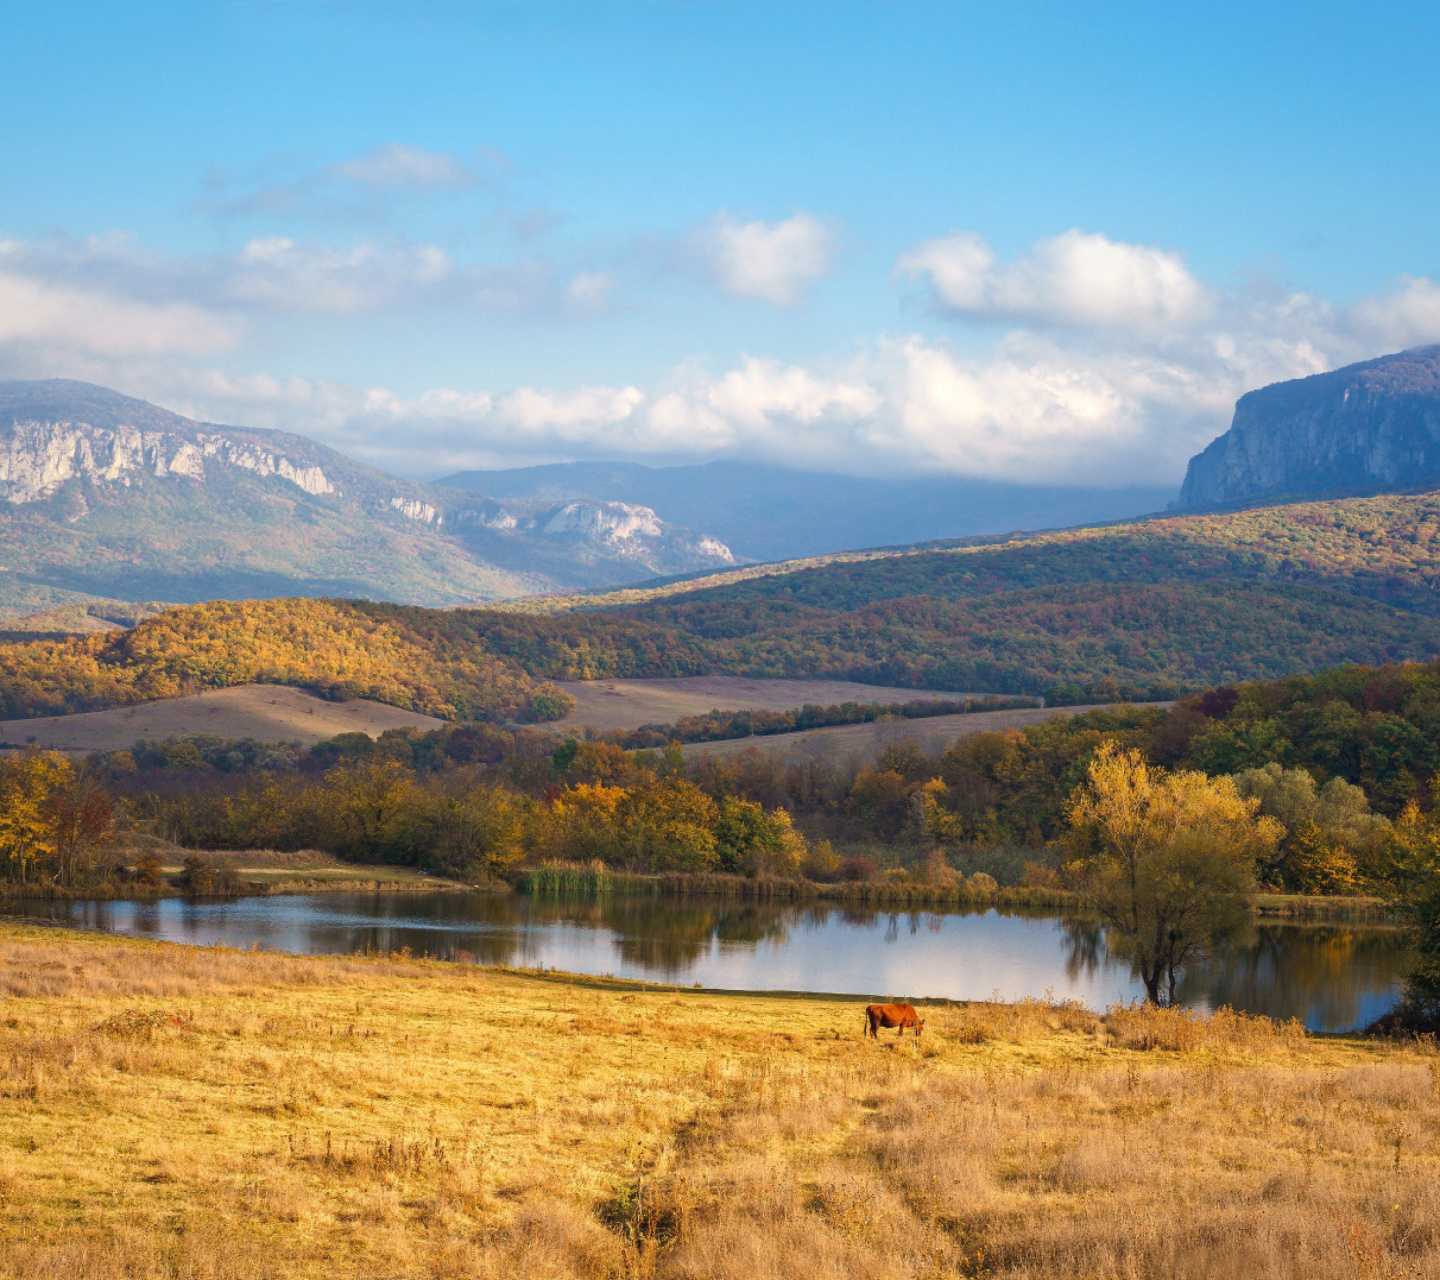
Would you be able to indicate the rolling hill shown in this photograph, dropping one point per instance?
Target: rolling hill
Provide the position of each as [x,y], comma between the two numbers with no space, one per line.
[1145,609]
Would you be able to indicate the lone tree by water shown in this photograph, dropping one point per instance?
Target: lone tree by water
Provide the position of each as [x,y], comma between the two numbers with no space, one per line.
[1163,859]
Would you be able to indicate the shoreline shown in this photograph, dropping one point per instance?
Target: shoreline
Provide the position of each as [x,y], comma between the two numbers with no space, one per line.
[261,882]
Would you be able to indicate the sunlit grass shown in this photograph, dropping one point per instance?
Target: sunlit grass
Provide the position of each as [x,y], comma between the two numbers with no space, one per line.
[168,1111]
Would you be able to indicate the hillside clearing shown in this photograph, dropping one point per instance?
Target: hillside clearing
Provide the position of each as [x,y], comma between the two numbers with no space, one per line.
[865,741]
[168,1111]
[265,712]
[627,704]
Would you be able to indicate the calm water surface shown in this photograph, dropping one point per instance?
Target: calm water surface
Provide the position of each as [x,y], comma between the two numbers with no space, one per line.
[1332,977]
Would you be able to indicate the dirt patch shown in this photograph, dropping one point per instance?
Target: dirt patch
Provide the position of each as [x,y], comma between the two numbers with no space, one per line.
[266,712]
[627,704]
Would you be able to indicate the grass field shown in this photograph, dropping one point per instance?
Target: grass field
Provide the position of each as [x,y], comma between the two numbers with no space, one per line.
[627,704]
[207,1114]
[265,712]
[865,741]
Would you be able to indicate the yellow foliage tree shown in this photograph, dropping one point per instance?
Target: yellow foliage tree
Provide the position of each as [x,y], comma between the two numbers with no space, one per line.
[1163,859]
[27,829]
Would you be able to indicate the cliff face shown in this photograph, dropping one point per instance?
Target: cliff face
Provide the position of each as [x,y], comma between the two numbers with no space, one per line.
[101,494]
[1373,425]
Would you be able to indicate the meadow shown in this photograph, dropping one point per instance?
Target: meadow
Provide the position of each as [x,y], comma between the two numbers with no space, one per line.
[198,1113]
[263,712]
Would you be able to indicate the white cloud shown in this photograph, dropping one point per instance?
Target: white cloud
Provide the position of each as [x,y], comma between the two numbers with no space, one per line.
[591,291]
[1073,279]
[1406,317]
[36,313]
[1123,367]
[277,275]
[773,261]
[397,165]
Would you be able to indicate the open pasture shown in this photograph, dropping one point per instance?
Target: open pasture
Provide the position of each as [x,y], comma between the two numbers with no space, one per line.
[169,1111]
[265,712]
[627,704]
[865,741]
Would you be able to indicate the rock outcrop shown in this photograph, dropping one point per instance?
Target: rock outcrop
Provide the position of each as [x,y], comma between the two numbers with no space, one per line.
[37,457]
[1368,426]
[158,507]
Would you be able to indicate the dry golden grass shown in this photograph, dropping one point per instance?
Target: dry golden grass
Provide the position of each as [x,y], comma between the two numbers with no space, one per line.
[627,704]
[866,741]
[174,1112]
[266,712]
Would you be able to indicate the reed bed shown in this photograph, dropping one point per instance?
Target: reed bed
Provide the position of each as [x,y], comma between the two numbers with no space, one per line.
[554,877]
[205,1114]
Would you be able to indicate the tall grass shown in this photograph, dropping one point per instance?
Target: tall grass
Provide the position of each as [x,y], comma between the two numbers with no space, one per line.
[554,877]
[171,1112]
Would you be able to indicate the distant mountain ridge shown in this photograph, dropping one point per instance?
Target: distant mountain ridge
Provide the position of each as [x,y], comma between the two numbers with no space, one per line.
[1373,425]
[108,496]
[775,513]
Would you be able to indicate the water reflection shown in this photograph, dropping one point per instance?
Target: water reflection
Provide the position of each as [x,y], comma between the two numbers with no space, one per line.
[1333,978]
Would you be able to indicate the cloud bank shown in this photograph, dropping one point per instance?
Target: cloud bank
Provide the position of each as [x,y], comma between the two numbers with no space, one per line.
[1113,363]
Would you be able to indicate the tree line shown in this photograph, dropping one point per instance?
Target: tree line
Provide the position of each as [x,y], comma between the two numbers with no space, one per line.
[1319,784]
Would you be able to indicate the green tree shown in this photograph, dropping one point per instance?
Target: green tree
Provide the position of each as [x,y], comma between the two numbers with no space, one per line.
[1163,859]
[372,800]
[750,840]
[1413,866]
[1329,831]
[473,832]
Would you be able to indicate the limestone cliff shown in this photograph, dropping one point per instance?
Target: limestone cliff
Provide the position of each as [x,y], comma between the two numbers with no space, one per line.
[108,496]
[1369,426]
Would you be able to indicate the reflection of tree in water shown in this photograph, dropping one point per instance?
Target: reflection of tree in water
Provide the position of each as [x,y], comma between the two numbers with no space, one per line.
[669,934]
[1084,947]
[1332,978]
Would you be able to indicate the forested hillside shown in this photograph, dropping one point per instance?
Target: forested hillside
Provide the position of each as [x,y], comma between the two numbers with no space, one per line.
[421,659]
[1381,547]
[1093,642]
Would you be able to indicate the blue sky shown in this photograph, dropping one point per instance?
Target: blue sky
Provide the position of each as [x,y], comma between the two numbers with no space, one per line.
[1029,241]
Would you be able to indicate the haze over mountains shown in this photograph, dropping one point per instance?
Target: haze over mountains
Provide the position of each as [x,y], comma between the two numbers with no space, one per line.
[111,497]
[773,513]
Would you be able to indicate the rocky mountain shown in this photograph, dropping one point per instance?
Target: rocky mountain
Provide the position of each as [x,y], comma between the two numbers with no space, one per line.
[109,497]
[1370,426]
[776,513]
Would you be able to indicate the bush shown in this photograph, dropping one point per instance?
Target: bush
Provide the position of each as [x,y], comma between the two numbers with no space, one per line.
[208,880]
[857,870]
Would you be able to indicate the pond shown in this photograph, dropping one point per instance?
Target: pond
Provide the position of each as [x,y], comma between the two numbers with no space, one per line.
[1332,977]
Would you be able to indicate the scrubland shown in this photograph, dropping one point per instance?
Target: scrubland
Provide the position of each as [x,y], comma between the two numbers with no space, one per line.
[176,1112]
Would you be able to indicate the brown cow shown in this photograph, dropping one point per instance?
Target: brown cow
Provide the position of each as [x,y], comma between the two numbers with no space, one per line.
[892,1015]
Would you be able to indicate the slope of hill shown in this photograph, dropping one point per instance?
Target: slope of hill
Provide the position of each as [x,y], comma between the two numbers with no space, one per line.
[1369,425]
[1383,547]
[106,496]
[262,712]
[774,513]
[1072,643]
[431,661]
